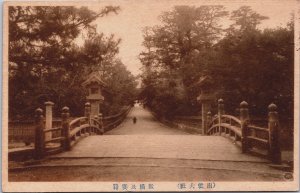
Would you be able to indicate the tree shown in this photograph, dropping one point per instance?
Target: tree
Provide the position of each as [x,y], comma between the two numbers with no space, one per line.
[122,87]
[44,61]
[245,19]
[171,49]
[99,50]
[246,63]
[256,65]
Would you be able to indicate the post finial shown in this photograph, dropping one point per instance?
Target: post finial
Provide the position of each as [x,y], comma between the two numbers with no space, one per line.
[39,112]
[220,101]
[273,114]
[244,111]
[244,104]
[65,113]
[65,109]
[49,103]
[272,107]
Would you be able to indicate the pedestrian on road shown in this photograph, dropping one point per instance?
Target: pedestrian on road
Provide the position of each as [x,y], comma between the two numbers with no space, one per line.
[134,120]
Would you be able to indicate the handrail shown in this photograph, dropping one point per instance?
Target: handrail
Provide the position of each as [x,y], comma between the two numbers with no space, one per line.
[113,123]
[78,129]
[117,115]
[232,118]
[257,139]
[236,130]
[55,139]
[232,126]
[121,117]
[227,124]
[258,128]
[196,118]
[52,129]
[31,121]
[66,132]
[214,118]
[98,123]
[77,120]
[94,120]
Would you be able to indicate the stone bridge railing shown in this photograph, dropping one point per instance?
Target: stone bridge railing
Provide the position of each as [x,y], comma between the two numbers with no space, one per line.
[52,137]
[251,138]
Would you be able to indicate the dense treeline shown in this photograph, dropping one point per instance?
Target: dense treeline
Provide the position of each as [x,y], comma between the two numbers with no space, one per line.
[245,62]
[46,63]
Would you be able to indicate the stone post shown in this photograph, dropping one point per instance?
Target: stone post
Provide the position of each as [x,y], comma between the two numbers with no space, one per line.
[244,117]
[39,144]
[273,125]
[206,98]
[220,113]
[66,128]
[101,123]
[208,122]
[95,107]
[206,106]
[49,106]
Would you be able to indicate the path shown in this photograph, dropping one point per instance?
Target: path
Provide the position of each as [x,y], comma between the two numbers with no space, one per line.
[146,125]
[151,151]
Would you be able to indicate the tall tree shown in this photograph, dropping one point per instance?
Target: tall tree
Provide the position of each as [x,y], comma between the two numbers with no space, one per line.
[43,57]
[245,62]
[255,65]
[172,47]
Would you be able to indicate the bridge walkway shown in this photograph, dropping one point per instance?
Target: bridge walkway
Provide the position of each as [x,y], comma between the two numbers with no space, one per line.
[151,151]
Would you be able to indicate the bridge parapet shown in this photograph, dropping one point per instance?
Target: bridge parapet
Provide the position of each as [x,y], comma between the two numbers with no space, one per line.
[251,138]
[64,133]
[62,137]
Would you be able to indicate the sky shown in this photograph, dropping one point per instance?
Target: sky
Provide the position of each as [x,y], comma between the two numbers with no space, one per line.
[137,14]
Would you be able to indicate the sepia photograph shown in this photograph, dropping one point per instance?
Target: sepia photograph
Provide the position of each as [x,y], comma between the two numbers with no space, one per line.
[169,95]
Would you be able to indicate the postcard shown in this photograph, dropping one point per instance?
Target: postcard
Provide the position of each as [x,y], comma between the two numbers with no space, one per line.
[150,95]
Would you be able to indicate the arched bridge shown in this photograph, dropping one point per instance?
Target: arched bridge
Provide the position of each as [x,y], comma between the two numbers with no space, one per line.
[115,149]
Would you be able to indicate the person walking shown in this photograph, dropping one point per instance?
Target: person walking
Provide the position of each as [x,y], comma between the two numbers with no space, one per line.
[134,120]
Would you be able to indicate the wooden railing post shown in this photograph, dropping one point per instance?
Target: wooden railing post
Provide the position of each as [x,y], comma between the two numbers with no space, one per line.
[39,145]
[87,110]
[273,125]
[101,123]
[208,119]
[220,113]
[66,128]
[96,117]
[87,113]
[244,117]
